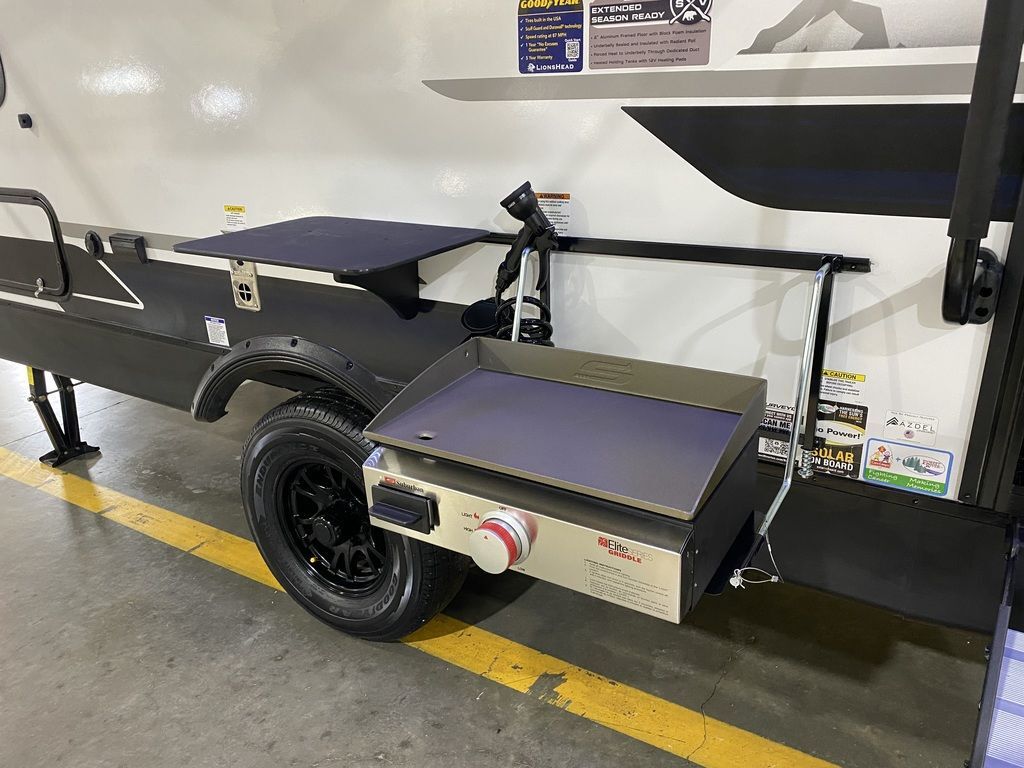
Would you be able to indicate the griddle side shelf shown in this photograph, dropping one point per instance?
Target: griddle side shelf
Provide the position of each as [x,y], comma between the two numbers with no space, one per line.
[378,256]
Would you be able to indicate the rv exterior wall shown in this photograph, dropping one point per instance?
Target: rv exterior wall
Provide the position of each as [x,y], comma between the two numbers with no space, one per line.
[151,123]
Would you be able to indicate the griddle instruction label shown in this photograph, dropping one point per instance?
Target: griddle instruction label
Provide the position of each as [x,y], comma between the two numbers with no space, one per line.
[650,33]
[612,583]
[550,36]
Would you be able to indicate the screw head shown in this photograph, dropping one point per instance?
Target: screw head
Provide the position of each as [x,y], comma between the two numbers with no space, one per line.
[25,120]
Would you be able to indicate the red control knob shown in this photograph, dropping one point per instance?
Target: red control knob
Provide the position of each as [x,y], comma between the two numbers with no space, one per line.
[501,541]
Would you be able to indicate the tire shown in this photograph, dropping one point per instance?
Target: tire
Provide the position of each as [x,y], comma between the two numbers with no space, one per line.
[302,488]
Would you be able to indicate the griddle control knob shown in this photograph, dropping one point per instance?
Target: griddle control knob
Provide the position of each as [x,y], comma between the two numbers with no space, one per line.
[501,541]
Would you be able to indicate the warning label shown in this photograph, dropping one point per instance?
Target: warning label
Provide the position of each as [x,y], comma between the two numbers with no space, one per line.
[650,33]
[550,36]
[234,218]
[841,385]
[217,331]
[842,426]
[557,206]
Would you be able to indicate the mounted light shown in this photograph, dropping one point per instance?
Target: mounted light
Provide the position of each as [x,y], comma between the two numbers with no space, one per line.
[522,205]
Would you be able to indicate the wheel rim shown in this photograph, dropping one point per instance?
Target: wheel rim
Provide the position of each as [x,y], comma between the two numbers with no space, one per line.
[324,515]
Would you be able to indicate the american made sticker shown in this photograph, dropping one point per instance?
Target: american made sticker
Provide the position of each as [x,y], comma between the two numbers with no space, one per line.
[912,468]
[910,427]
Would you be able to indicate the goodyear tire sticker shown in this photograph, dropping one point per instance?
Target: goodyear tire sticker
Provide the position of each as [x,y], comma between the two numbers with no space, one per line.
[550,36]
[842,426]
[908,467]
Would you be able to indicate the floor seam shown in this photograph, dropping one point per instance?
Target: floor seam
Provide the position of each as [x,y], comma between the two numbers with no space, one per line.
[80,417]
[733,657]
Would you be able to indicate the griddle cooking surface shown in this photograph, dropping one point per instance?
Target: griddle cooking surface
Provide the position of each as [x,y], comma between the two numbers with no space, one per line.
[637,448]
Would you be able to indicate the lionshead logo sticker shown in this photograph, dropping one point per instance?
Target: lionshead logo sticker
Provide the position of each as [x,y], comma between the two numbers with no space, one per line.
[691,12]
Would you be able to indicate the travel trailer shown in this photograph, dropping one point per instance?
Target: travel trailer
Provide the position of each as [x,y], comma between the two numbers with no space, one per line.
[770,276]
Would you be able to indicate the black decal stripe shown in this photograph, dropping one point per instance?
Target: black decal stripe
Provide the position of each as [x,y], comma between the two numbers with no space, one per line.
[24,260]
[178,297]
[886,159]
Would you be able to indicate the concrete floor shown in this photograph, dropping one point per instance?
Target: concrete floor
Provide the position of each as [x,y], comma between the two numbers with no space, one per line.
[116,650]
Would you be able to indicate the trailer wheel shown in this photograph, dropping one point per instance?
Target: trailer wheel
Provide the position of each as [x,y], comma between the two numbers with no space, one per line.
[302,488]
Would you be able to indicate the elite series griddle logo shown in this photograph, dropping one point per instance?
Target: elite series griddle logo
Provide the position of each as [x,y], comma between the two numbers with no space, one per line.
[620,550]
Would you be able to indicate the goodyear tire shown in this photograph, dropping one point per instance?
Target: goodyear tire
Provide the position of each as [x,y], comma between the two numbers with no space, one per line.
[302,488]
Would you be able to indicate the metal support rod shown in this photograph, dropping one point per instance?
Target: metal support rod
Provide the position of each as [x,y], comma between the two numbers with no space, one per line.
[68,409]
[520,294]
[810,438]
[795,454]
[38,398]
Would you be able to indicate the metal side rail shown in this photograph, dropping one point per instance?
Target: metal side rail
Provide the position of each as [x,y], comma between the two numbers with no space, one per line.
[999,741]
[62,290]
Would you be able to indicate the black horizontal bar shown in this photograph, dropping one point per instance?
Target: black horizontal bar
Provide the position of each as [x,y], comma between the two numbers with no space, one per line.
[708,254]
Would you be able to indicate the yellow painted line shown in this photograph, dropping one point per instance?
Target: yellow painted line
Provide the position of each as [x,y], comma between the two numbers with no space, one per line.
[204,541]
[622,708]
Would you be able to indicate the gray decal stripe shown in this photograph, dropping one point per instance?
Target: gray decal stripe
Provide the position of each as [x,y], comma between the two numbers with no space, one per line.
[901,80]
[155,240]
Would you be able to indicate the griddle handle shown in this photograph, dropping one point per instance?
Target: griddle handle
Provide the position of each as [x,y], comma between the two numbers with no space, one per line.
[403,508]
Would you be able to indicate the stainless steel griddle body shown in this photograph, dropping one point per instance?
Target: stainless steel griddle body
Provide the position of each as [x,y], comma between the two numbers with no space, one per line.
[631,479]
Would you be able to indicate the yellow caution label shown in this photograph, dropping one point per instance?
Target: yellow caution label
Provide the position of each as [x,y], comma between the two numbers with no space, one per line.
[234,218]
[844,375]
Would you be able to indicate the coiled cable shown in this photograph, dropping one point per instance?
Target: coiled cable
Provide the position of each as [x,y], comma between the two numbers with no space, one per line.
[532,330]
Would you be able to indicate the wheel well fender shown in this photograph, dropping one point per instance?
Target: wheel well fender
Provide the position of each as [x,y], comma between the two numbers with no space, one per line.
[269,357]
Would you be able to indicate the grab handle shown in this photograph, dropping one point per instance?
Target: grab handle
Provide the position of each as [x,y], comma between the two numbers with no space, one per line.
[61,291]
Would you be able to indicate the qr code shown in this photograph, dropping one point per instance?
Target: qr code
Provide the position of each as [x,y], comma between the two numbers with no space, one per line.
[773,450]
[572,50]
